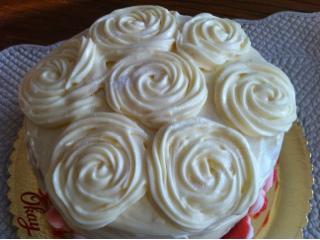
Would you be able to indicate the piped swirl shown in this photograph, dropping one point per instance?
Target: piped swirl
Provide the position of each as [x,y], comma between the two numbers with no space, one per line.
[211,41]
[156,88]
[202,175]
[97,169]
[134,28]
[257,98]
[62,87]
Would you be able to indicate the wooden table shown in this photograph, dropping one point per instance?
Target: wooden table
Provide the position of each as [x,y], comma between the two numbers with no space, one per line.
[48,21]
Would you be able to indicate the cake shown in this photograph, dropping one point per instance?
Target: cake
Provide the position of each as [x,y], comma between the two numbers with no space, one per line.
[154,124]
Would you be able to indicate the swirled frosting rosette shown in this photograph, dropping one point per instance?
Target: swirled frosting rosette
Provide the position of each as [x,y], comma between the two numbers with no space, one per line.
[97,169]
[202,175]
[62,87]
[134,28]
[156,88]
[257,98]
[211,41]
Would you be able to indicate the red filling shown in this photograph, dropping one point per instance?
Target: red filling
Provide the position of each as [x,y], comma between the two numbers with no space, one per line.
[240,230]
[243,228]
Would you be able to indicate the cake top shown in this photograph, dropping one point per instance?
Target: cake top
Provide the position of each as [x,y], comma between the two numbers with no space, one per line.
[152,106]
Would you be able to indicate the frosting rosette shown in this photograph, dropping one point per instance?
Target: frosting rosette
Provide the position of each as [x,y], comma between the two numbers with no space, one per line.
[210,41]
[202,175]
[133,29]
[62,87]
[156,88]
[257,98]
[97,169]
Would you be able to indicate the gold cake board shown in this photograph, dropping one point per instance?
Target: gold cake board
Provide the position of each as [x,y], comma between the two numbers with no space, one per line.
[285,216]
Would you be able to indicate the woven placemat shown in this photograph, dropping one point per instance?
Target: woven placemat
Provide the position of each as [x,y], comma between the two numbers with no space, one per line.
[287,39]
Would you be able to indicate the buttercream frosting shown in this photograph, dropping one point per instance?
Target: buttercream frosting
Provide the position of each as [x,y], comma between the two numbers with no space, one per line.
[258,99]
[133,29]
[156,88]
[202,174]
[210,41]
[96,169]
[62,87]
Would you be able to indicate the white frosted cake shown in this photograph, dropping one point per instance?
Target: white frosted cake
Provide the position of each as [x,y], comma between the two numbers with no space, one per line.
[154,124]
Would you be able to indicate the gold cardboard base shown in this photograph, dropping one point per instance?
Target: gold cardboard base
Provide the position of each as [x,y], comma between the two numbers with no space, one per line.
[292,205]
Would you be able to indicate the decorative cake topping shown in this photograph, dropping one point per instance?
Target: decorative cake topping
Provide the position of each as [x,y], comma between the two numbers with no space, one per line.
[211,41]
[202,174]
[258,99]
[156,88]
[61,88]
[97,169]
[134,28]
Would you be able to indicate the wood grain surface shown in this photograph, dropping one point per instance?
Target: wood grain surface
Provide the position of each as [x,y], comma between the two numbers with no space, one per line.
[48,21]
